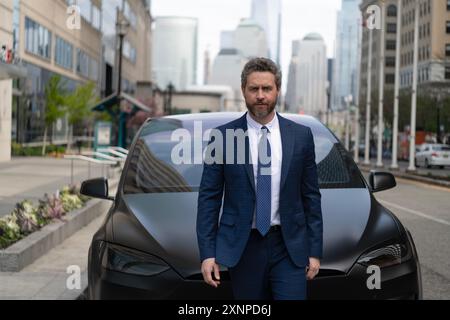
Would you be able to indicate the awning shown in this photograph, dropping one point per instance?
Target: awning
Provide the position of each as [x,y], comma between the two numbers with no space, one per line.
[114,99]
[12,71]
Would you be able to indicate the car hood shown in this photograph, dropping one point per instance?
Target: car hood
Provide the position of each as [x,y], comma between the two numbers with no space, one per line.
[170,221]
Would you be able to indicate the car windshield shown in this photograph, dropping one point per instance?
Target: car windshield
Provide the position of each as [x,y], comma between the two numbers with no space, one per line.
[155,164]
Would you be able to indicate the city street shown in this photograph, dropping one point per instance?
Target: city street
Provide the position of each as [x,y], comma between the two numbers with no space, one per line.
[425,211]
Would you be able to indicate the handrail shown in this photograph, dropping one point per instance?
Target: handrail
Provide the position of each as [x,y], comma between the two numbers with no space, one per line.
[89,160]
[102,155]
[120,149]
[114,152]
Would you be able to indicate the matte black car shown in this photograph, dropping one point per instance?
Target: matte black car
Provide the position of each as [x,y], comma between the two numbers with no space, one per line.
[147,245]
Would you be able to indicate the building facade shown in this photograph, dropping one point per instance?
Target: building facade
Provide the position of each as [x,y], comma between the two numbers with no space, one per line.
[390,27]
[347,54]
[6,40]
[308,71]
[434,43]
[267,14]
[50,41]
[175,52]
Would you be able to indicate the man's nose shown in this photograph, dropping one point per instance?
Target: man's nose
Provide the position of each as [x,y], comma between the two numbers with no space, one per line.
[259,94]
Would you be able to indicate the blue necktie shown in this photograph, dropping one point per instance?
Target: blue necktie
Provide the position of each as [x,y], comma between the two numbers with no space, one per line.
[264,184]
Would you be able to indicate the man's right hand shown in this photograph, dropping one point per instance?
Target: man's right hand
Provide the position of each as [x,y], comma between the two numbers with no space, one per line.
[209,266]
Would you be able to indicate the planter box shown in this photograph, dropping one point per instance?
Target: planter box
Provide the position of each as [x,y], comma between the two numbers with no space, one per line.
[26,251]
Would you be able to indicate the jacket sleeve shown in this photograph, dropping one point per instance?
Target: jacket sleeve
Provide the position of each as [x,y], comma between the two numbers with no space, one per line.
[312,200]
[209,204]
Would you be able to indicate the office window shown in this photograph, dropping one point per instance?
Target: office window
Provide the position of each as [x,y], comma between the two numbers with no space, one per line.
[392,11]
[82,63]
[391,45]
[93,69]
[390,78]
[448,5]
[447,73]
[391,28]
[37,39]
[448,27]
[447,50]
[129,14]
[129,51]
[390,61]
[63,53]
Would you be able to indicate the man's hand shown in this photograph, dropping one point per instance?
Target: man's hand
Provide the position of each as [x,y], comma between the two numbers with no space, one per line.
[313,270]
[210,266]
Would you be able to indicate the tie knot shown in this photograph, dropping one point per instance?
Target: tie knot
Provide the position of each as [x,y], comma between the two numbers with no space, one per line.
[264,129]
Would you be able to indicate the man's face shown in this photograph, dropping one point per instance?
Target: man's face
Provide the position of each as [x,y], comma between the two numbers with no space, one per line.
[260,94]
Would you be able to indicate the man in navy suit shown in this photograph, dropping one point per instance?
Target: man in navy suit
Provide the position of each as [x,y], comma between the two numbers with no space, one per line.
[270,231]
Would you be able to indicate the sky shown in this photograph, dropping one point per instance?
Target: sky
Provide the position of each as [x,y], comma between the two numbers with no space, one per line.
[299,17]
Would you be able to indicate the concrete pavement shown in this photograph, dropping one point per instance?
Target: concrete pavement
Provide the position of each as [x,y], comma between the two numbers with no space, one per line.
[46,278]
[31,177]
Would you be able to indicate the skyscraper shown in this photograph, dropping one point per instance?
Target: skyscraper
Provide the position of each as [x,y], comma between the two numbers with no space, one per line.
[346,65]
[267,13]
[175,52]
[307,79]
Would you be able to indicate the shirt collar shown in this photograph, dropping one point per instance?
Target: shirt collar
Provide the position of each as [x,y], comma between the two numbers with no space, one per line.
[272,125]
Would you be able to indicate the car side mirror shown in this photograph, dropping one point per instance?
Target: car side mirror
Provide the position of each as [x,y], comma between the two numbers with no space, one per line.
[380,181]
[96,188]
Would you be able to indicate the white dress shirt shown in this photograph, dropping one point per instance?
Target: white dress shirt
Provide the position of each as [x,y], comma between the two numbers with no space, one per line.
[274,137]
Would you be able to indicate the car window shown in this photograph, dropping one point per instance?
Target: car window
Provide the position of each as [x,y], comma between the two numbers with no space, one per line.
[151,168]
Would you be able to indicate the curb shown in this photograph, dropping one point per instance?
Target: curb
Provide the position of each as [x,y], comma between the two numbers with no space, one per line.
[413,177]
[37,244]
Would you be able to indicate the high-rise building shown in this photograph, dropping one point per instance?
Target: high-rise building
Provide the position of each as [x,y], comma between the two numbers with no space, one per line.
[346,65]
[227,39]
[206,67]
[267,13]
[434,44]
[389,53]
[226,70]
[175,52]
[308,72]
[250,39]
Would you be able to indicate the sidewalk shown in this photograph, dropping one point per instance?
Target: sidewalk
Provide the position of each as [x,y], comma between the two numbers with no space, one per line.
[46,278]
[31,177]
[422,175]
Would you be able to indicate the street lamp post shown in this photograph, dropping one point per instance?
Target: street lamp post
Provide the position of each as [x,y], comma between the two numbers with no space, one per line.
[122,29]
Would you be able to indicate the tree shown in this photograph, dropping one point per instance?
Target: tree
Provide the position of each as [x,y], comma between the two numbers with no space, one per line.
[55,96]
[80,104]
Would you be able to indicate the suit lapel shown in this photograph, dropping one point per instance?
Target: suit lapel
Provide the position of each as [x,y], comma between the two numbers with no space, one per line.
[242,124]
[287,142]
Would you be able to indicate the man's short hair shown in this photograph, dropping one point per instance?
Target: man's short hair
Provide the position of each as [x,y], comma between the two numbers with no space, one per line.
[261,65]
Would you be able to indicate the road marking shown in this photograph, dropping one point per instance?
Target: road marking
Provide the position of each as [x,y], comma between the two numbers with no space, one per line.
[417,213]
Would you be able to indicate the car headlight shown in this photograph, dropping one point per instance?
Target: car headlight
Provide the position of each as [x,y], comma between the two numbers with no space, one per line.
[386,256]
[125,260]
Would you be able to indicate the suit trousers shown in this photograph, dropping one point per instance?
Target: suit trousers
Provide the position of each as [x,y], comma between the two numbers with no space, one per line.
[266,271]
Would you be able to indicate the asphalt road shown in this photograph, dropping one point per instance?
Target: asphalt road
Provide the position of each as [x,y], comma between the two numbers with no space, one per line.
[425,211]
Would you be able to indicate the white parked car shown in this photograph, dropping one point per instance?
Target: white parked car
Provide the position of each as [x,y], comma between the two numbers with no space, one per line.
[433,155]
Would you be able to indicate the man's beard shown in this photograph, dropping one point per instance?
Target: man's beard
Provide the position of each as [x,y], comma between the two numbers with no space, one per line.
[261,114]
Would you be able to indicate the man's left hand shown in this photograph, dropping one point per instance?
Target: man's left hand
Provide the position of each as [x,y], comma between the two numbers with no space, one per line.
[313,270]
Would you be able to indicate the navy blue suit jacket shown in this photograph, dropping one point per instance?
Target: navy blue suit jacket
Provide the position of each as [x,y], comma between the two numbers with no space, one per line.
[299,206]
